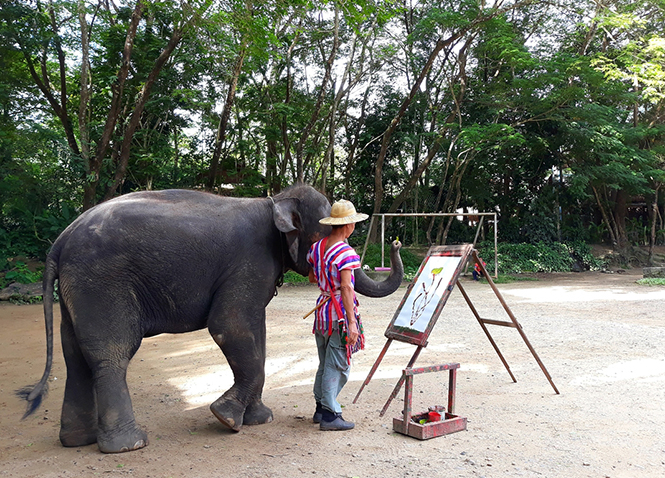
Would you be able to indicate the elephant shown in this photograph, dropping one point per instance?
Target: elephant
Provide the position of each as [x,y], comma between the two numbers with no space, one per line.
[173,261]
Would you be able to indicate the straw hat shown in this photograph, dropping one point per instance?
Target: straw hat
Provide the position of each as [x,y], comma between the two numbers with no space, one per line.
[343,212]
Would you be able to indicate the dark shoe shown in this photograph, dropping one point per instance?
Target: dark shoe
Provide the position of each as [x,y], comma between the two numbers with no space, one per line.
[318,414]
[337,424]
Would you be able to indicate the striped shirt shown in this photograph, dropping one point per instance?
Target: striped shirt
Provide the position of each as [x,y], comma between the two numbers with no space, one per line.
[339,257]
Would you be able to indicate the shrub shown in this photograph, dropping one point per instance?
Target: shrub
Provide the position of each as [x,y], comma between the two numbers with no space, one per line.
[21,274]
[294,278]
[540,257]
[652,281]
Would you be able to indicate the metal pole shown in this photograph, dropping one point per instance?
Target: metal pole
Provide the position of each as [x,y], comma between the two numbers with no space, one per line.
[480,225]
[496,248]
[475,240]
[383,233]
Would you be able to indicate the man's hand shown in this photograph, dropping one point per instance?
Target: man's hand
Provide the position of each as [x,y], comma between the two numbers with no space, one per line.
[352,335]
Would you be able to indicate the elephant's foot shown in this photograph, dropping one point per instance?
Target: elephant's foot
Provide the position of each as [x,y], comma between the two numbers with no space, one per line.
[229,411]
[257,413]
[73,438]
[125,440]
[77,427]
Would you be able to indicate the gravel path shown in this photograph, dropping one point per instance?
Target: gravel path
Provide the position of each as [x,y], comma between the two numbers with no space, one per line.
[601,337]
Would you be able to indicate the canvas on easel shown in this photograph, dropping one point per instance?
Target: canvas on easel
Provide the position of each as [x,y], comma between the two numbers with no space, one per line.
[423,303]
[427,294]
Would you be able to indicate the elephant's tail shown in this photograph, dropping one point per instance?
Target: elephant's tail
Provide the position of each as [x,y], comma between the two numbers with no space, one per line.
[35,394]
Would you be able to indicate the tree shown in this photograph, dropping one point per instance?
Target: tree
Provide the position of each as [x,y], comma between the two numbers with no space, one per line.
[44,35]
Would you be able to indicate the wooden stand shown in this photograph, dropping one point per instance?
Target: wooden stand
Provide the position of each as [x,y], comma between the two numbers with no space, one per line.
[449,422]
[465,253]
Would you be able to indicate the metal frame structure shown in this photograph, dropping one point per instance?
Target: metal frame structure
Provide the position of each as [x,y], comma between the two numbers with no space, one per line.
[438,214]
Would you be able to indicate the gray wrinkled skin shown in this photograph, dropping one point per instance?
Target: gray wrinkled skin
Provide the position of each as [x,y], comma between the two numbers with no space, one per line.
[173,261]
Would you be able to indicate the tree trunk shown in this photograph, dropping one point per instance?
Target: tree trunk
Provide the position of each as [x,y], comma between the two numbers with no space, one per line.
[605,216]
[387,134]
[354,144]
[440,45]
[135,118]
[85,88]
[654,217]
[300,146]
[90,187]
[286,143]
[271,162]
[620,209]
[224,118]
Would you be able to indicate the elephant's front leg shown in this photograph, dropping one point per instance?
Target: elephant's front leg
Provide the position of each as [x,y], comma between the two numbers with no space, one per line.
[241,334]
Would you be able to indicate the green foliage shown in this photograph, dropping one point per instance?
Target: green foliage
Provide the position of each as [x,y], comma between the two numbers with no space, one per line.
[37,299]
[540,257]
[373,257]
[542,112]
[651,281]
[21,274]
[581,252]
[294,278]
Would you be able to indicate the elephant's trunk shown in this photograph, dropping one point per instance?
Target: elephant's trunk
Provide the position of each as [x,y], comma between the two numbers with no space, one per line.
[370,288]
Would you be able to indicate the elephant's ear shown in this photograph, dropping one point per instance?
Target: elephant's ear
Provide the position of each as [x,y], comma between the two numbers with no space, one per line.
[287,219]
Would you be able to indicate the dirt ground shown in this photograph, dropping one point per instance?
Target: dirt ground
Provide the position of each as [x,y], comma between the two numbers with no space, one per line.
[601,337]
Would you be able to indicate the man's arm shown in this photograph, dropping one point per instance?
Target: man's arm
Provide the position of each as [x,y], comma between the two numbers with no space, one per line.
[349,305]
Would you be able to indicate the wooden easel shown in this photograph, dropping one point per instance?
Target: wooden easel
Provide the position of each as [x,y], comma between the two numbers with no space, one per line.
[464,252]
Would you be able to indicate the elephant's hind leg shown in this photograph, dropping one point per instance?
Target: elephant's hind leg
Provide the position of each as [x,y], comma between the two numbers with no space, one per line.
[108,351]
[78,423]
[118,430]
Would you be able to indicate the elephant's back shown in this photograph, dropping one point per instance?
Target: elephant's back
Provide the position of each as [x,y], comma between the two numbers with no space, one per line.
[150,225]
[166,251]
[158,212]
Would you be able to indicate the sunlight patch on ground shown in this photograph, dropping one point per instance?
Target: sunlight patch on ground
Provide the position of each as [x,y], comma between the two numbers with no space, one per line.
[203,389]
[293,370]
[474,367]
[571,294]
[445,347]
[392,373]
[289,366]
[650,370]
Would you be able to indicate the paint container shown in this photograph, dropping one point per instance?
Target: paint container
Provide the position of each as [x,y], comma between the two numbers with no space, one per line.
[433,417]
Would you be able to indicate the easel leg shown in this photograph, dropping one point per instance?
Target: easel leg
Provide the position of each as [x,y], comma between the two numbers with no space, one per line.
[400,381]
[514,320]
[373,369]
[487,332]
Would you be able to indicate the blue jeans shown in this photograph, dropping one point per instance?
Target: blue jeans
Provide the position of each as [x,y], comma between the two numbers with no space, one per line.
[333,371]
